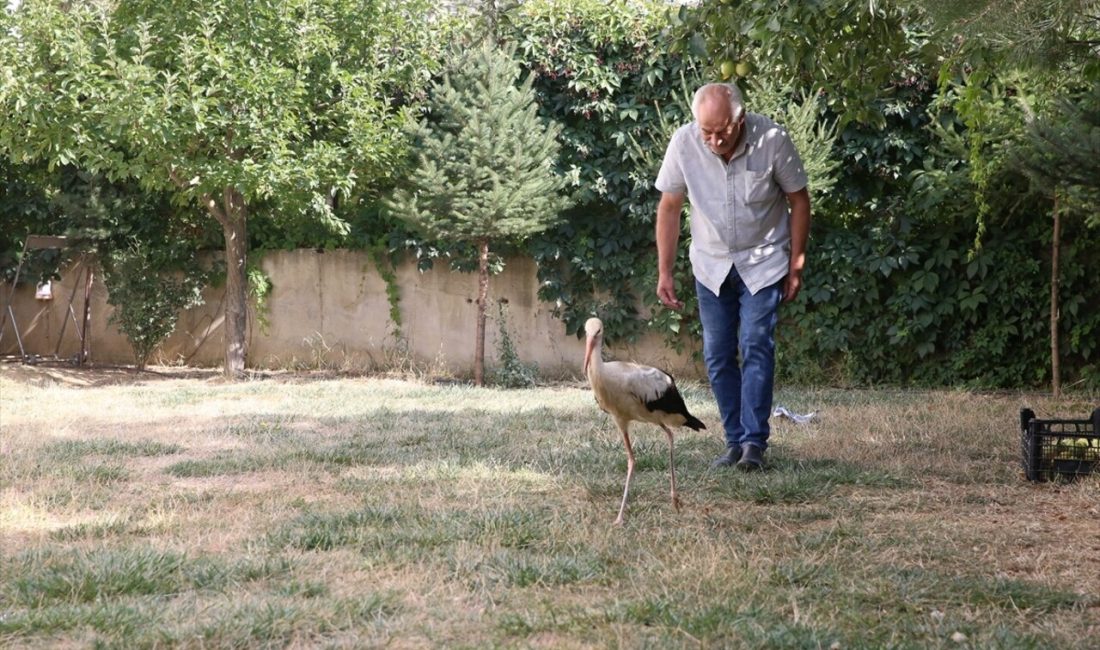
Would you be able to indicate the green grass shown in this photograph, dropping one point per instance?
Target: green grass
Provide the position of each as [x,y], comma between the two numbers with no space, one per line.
[46,576]
[70,450]
[359,512]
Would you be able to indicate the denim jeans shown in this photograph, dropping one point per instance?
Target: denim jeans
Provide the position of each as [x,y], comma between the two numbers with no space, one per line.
[743,391]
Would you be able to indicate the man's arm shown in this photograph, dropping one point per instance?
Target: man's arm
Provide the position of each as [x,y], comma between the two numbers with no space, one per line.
[668,235]
[800,231]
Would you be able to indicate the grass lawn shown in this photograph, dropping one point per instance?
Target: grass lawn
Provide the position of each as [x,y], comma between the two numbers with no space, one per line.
[174,509]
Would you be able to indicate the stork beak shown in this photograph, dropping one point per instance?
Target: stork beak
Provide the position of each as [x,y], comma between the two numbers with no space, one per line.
[589,345]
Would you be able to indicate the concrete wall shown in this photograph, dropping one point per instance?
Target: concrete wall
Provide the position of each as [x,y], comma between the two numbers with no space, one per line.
[330,308]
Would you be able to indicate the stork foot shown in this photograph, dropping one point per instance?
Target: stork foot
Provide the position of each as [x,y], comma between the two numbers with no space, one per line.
[677,503]
[618,521]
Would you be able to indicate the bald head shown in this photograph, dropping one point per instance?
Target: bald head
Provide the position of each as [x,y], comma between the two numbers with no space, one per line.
[718,97]
[720,116]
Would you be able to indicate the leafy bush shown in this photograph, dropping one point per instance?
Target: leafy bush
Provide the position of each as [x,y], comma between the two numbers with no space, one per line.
[906,305]
[146,298]
[511,371]
[601,76]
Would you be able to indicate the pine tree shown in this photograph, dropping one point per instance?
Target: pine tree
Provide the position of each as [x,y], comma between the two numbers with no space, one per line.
[484,171]
[1062,156]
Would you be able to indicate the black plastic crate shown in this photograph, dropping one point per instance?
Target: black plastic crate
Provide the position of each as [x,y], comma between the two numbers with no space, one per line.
[1054,448]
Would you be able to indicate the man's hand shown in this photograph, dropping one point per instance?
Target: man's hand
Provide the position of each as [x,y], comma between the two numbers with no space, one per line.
[791,286]
[800,232]
[668,233]
[666,292]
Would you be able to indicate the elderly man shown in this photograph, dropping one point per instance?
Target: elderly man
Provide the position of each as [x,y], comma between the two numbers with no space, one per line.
[750,218]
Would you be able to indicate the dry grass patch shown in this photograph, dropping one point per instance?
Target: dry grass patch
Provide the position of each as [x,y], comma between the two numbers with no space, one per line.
[178,510]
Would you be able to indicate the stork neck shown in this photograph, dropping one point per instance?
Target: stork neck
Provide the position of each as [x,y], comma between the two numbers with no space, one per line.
[595,359]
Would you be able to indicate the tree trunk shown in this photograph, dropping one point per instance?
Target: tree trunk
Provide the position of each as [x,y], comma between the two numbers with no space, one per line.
[482,299]
[235,228]
[1055,356]
[232,213]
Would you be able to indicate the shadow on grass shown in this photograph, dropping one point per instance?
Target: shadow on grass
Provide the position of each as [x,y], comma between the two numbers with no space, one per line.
[566,444]
[792,480]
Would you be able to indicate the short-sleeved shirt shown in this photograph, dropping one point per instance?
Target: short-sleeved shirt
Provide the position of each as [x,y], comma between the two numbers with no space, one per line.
[739,212]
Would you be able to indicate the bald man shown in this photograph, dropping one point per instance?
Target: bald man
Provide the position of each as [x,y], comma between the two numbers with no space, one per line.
[750,218]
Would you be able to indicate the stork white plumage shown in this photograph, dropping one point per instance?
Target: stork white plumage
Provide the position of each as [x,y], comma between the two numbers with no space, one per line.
[631,392]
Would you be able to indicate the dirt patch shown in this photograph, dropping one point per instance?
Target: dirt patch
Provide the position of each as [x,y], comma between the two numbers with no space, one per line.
[93,375]
[49,373]
[59,372]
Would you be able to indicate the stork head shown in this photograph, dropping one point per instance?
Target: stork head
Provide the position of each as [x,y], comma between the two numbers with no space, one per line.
[593,330]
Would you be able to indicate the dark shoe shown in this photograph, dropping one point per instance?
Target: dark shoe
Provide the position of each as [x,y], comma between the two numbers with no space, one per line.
[752,458]
[728,459]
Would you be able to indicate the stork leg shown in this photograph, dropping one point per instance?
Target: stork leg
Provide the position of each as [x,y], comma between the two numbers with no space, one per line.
[629,471]
[672,467]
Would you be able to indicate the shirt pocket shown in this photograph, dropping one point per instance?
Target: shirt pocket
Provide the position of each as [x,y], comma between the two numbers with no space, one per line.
[760,187]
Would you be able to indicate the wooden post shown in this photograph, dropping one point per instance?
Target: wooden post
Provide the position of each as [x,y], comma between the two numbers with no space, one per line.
[88,277]
[1055,360]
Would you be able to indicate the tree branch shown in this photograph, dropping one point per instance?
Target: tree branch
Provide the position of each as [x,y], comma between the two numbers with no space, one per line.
[207,201]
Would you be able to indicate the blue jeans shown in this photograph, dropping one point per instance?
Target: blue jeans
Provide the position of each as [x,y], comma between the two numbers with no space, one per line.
[743,391]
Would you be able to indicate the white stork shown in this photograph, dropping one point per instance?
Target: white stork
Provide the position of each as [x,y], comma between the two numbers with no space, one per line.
[632,392]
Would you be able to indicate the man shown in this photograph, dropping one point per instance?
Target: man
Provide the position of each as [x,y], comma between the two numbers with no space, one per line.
[750,218]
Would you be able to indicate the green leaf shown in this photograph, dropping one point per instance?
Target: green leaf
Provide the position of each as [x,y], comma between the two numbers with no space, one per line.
[698,45]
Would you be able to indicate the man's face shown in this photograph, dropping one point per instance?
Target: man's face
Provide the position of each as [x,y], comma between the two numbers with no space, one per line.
[716,124]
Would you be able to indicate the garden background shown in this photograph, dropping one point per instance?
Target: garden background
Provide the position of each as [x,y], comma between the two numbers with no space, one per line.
[952,154]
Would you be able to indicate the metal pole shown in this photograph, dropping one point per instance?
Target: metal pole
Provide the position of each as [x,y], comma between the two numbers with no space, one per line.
[11,294]
[65,321]
[19,339]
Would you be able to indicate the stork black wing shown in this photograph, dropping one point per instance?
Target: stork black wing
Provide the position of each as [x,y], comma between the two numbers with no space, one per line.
[671,401]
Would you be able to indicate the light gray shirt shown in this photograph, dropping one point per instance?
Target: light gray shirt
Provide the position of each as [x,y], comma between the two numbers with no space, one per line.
[739,212]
